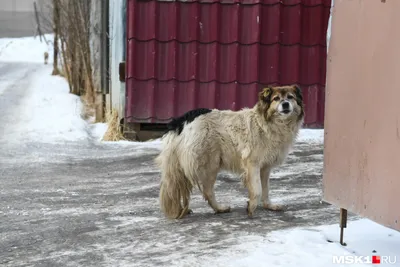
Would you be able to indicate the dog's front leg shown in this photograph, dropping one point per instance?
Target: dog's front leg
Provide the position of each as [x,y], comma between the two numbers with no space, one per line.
[265,172]
[254,188]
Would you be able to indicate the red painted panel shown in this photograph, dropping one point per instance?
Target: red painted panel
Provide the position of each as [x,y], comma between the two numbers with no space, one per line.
[208,19]
[207,54]
[220,53]
[228,25]
[166,31]
[167,57]
[227,62]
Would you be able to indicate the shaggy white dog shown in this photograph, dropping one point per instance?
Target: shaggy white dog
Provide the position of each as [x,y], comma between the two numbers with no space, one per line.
[249,142]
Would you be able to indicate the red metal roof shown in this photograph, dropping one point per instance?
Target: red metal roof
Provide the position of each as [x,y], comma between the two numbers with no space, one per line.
[217,54]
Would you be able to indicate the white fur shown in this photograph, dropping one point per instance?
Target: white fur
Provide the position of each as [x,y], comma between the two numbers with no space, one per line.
[241,142]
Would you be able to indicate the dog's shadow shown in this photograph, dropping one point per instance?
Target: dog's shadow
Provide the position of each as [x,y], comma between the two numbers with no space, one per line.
[239,214]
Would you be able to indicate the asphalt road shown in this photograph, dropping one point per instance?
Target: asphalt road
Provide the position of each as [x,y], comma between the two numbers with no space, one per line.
[90,204]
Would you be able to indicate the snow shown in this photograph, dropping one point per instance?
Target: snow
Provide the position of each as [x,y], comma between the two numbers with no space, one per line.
[310,247]
[311,136]
[52,114]
[98,130]
[49,98]
[26,49]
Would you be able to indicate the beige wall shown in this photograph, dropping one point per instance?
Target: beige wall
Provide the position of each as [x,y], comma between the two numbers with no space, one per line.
[362,123]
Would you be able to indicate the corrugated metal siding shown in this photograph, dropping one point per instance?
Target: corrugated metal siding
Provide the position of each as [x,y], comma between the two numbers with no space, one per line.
[218,54]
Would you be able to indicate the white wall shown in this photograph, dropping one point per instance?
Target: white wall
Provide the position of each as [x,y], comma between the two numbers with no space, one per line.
[117,53]
[328,34]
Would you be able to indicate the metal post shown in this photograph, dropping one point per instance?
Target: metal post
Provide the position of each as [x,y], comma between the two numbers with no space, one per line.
[343,224]
[104,59]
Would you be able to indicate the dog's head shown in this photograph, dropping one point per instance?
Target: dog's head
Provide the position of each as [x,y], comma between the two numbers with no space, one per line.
[281,102]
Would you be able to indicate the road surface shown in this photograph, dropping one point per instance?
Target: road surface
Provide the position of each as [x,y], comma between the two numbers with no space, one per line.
[90,204]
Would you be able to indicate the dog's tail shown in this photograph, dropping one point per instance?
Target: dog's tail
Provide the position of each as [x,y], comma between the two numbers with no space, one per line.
[175,188]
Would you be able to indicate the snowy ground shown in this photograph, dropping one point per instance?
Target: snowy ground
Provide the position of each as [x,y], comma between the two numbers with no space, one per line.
[25,49]
[68,199]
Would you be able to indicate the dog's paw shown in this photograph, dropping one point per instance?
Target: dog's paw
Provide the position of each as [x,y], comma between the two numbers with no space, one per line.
[250,211]
[184,212]
[223,209]
[274,207]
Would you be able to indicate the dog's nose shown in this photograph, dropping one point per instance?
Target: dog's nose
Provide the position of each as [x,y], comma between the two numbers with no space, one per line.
[285,105]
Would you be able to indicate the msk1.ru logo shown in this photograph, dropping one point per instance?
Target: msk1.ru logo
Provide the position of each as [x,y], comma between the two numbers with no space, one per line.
[352,259]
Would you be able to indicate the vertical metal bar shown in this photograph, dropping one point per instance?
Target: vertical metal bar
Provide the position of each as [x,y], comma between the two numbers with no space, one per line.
[343,224]
[105,47]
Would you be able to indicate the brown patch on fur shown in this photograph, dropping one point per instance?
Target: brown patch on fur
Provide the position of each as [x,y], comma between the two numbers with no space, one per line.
[264,102]
[299,99]
[270,97]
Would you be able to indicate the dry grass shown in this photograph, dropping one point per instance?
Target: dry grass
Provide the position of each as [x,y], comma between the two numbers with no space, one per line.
[113,132]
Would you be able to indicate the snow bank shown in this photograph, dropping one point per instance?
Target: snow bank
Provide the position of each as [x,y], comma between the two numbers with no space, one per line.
[309,247]
[52,114]
[26,49]
[311,136]
[98,130]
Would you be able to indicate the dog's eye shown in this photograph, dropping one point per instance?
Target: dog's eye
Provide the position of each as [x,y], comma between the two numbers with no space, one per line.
[290,97]
[276,98]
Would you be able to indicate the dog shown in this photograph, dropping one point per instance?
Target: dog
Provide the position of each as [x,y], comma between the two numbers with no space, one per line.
[249,142]
[46,58]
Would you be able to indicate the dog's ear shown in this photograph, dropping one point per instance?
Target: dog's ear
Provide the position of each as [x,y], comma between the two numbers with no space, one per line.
[265,95]
[299,100]
[299,94]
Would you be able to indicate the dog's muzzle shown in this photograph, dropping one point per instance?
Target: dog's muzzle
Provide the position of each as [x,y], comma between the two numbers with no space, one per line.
[285,107]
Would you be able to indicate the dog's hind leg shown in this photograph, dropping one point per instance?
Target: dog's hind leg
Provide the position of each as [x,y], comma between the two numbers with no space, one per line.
[185,209]
[209,195]
[265,172]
